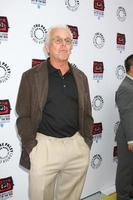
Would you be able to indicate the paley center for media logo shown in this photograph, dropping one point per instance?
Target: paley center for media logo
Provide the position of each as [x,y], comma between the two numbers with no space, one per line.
[74,30]
[121,41]
[120,72]
[97,103]
[97,131]
[6,188]
[98,40]
[72,5]
[38,33]
[99,8]
[36,62]
[6,152]
[5,110]
[121,14]
[98,69]
[39,3]
[96,161]
[3,28]
[5,72]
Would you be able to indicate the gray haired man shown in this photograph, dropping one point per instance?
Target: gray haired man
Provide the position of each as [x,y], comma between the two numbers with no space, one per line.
[55,122]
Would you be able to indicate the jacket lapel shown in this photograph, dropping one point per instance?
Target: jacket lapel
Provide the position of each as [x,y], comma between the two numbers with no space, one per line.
[80,87]
[41,80]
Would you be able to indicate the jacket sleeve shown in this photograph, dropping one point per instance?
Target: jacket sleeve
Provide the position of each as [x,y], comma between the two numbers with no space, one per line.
[125,106]
[23,109]
[88,111]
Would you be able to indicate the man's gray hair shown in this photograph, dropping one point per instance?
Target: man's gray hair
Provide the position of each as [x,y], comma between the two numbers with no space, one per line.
[50,30]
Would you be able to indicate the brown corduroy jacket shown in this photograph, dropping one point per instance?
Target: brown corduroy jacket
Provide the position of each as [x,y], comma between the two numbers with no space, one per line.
[31,99]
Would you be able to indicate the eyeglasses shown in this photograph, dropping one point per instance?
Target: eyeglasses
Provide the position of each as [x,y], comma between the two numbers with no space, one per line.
[59,40]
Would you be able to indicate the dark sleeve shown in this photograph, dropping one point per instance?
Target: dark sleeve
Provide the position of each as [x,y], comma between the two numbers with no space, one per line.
[88,112]
[124,101]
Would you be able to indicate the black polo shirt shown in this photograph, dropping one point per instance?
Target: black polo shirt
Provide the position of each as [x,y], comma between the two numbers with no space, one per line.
[60,114]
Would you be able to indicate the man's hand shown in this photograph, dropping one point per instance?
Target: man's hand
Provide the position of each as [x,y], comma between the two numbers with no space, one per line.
[130,147]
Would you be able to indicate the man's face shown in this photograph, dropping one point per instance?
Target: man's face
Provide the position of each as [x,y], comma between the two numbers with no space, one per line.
[60,45]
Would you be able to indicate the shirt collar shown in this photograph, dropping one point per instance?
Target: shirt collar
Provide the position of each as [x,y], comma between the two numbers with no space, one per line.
[52,69]
[129,76]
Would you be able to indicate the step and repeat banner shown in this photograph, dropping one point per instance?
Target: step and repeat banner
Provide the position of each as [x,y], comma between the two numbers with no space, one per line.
[102,39]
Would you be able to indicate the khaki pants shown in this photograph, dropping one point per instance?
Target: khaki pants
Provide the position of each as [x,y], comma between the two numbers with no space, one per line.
[58,168]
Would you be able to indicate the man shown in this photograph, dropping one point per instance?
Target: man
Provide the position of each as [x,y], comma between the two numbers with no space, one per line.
[55,122]
[124,135]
